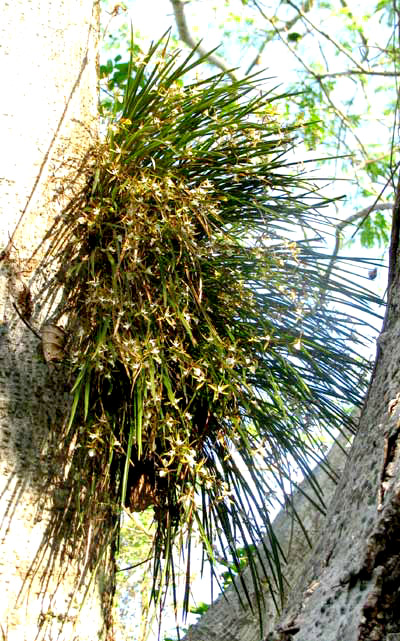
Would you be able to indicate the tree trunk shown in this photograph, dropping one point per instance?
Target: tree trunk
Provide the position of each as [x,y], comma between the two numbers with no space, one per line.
[226,619]
[55,584]
[348,587]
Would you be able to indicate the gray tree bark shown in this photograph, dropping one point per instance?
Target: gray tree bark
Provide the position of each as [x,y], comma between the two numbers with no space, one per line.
[52,585]
[348,587]
[227,620]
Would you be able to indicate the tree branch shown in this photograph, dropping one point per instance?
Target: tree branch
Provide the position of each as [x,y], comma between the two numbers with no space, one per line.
[187,38]
[335,43]
[287,26]
[362,72]
[362,213]
[258,54]
[324,90]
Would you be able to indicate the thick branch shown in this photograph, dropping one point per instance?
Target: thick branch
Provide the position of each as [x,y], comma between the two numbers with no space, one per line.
[187,38]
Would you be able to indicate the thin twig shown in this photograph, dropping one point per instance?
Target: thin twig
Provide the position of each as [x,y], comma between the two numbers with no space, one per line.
[362,213]
[136,565]
[335,43]
[359,72]
[287,26]
[258,54]
[312,73]
[27,323]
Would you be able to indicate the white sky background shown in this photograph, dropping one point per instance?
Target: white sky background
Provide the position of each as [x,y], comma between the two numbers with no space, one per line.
[205,17]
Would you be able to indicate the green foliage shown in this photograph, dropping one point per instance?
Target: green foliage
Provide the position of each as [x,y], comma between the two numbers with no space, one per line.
[375,230]
[294,36]
[201,352]
[115,71]
[114,76]
[232,569]
[200,609]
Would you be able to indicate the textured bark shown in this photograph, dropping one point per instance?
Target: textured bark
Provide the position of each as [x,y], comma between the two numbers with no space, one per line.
[49,589]
[348,588]
[227,620]
[351,588]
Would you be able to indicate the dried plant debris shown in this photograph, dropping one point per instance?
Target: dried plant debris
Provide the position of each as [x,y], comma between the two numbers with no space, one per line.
[53,340]
[201,355]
